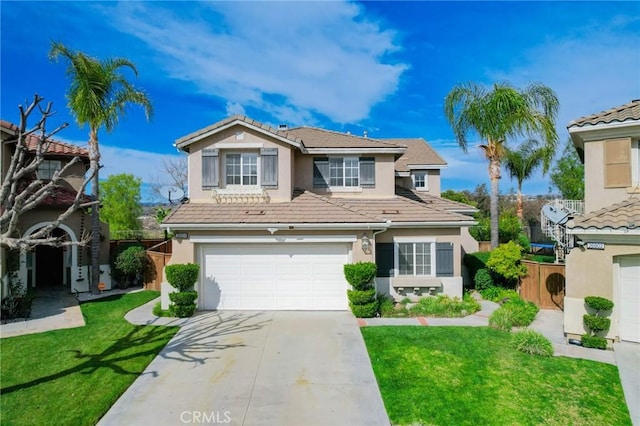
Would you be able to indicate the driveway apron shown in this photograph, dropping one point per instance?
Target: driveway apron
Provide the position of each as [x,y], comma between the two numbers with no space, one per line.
[257,368]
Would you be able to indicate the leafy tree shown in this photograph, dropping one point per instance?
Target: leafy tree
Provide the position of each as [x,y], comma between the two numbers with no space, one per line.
[497,114]
[459,196]
[568,174]
[121,202]
[98,97]
[521,163]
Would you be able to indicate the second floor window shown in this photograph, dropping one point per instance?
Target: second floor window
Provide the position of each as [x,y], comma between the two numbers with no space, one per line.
[420,181]
[242,169]
[343,172]
[47,168]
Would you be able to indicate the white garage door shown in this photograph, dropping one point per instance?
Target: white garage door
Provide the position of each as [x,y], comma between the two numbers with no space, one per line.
[293,276]
[630,298]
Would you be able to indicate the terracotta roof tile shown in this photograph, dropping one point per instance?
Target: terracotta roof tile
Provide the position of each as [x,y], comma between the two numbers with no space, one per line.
[626,112]
[55,147]
[419,152]
[313,137]
[307,207]
[624,215]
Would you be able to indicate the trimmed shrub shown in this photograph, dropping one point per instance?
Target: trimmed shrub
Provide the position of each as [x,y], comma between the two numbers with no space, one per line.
[514,313]
[182,276]
[596,324]
[130,266]
[361,297]
[504,261]
[533,343]
[182,311]
[476,261]
[502,319]
[483,279]
[360,275]
[365,311]
[184,297]
[598,303]
[595,342]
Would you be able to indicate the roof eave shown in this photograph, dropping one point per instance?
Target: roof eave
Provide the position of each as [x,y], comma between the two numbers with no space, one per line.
[348,150]
[282,226]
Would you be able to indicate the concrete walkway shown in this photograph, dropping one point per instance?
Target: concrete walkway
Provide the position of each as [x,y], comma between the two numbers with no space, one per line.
[628,360]
[255,368]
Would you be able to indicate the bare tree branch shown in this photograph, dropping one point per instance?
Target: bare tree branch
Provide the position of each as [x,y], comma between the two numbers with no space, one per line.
[21,190]
[174,173]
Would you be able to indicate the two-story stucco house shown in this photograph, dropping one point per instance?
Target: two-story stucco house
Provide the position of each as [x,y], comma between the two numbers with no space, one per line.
[606,258]
[49,267]
[274,214]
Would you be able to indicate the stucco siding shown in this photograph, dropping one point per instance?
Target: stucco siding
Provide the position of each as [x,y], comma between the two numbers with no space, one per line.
[597,195]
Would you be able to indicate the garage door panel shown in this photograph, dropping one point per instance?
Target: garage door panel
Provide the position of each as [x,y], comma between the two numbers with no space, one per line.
[275,276]
[630,298]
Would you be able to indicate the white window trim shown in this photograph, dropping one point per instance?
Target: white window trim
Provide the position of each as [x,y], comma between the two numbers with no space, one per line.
[426,181]
[258,168]
[396,255]
[343,188]
[635,163]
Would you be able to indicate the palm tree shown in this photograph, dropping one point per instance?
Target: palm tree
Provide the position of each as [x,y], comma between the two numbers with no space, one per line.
[497,114]
[521,163]
[98,96]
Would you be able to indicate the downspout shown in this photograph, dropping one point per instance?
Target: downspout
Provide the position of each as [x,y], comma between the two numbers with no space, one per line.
[373,237]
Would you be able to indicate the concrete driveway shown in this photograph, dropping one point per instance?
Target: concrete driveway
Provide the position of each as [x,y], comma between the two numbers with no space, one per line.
[257,368]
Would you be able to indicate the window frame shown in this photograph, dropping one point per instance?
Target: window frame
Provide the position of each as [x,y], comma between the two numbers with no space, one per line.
[49,171]
[414,241]
[242,166]
[424,176]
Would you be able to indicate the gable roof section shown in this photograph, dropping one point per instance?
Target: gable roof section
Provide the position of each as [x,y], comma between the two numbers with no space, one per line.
[55,147]
[436,202]
[419,155]
[309,209]
[320,139]
[241,120]
[624,216]
[620,114]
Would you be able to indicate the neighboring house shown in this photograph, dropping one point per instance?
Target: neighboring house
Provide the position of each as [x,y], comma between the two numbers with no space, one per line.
[606,258]
[274,214]
[55,267]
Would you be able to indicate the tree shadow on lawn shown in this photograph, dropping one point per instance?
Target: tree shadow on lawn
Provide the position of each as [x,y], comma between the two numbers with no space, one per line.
[200,336]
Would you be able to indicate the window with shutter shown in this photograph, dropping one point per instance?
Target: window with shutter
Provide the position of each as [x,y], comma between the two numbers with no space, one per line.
[617,163]
[367,171]
[210,174]
[321,172]
[269,167]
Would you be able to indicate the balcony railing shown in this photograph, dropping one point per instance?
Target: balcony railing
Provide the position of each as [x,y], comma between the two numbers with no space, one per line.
[553,220]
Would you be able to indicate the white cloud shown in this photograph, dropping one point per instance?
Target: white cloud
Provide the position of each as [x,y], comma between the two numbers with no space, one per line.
[234,108]
[299,57]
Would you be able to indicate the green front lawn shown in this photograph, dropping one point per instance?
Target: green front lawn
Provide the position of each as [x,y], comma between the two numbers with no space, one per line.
[472,376]
[73,376]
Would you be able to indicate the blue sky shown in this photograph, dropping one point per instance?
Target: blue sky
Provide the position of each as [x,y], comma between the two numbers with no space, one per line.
[383,67]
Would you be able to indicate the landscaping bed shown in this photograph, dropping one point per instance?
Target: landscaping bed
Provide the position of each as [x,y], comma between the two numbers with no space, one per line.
[430,306]
[73,376]
[475,375]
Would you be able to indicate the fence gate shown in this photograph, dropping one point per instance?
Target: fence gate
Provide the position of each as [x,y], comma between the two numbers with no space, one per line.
[544,284]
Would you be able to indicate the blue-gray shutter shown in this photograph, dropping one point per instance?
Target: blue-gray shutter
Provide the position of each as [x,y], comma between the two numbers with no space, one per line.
[210,169]
[385,259]
[269,167]
[444,259]
[367,171]
[321,172]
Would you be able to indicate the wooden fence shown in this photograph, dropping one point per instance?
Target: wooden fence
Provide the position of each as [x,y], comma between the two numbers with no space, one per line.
[544,284]
[159,255]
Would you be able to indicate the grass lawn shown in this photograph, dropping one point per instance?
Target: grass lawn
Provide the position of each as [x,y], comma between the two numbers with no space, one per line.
[73,376]
[474,376]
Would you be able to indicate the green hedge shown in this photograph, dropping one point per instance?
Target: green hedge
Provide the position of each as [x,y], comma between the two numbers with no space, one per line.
[361,297]
[595,342]
[360,275]
[184,297]
[476,261]
[365,311]
[182,311]
[182,276]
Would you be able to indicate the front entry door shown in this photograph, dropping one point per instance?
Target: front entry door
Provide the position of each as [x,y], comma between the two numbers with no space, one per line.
[49,264]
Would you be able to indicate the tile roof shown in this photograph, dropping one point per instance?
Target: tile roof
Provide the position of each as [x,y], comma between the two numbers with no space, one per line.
[624,215]
[626,112]
[307,207]
[313,137]
[61,196]
[282,133]
[433,201]
[55,147]
[419,152]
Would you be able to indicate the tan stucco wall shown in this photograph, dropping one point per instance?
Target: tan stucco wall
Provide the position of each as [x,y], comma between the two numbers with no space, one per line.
[596,195]
[384,187]
[592,273]
[433,182]
[197,194]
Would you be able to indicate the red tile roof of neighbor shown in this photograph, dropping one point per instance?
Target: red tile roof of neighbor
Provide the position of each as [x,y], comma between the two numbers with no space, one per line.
[626,112]
[61,196]
[55,147]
